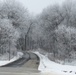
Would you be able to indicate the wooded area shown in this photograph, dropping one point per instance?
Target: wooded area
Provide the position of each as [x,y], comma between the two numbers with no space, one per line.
[54,30]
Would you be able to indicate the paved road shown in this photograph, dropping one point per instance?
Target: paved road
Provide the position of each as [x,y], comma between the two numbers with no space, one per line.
[27,56]
[18,63]
[18,71]
[28,65]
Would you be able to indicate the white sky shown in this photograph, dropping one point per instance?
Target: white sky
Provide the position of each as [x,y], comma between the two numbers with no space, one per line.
[36,6]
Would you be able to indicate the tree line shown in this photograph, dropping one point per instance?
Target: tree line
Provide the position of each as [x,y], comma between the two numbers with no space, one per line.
[53,30]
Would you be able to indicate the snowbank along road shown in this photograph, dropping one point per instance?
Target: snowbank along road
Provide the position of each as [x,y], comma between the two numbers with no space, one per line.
[47,66]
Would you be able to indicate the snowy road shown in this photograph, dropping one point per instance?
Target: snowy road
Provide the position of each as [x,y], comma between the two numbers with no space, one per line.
[46,67]
[23,71]
[28,73]
[22,61]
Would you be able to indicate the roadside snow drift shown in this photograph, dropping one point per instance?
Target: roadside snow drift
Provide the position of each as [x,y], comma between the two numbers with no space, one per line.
[49,66]
[15,58]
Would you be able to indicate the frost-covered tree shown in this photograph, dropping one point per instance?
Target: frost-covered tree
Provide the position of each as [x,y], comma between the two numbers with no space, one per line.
[18,16]
[65,41]
[15,12]
[49,20]
[8,36]
[69,12]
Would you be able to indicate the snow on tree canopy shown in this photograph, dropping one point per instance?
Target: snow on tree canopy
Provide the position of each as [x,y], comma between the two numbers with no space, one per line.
[8,34]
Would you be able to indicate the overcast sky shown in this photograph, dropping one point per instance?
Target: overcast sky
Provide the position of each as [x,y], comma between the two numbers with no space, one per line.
[36,6]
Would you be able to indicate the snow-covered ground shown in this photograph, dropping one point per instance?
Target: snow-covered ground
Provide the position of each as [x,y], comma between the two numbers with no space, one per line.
[73,63]
[49,66]
[15,58]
